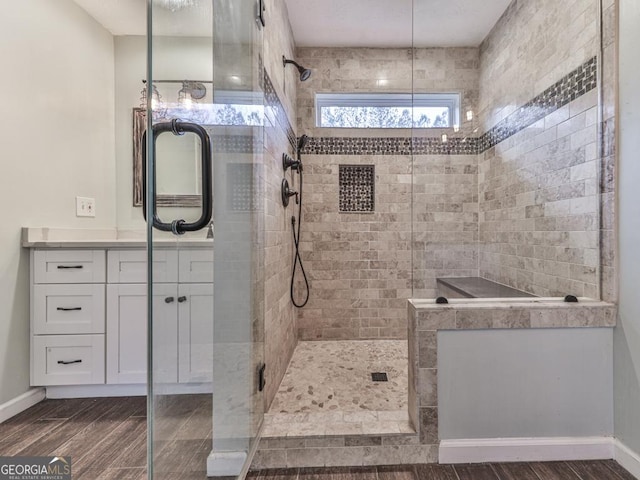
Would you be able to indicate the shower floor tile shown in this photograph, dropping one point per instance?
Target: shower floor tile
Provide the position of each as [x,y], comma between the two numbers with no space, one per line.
[328,390]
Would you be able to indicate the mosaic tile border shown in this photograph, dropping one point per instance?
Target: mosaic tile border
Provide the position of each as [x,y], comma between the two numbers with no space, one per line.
[390,146]
[570,87]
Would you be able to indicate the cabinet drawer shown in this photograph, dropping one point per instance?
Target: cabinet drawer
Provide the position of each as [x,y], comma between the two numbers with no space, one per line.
[68,360]
[196,266]
[130,266]
[69,266]
[70,309]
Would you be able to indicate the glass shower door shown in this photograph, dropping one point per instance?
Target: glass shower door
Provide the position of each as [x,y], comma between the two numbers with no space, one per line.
[203,206]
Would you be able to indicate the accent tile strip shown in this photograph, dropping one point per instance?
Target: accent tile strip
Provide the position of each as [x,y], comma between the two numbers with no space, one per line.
[390,146]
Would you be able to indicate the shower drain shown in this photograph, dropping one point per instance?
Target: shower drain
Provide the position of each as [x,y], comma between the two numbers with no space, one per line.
[379,377]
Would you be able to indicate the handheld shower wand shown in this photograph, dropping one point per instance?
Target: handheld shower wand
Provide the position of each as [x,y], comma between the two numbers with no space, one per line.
[297,165]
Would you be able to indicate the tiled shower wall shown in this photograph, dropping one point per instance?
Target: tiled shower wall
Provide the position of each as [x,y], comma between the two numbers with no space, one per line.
[539,205]
[534,44]
[359,264]
[538,189]
[514,196]
[280,91]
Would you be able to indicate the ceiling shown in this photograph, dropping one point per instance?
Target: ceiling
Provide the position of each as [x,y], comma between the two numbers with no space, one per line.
[328,23]
[388,23]
[120,17]
[129,17]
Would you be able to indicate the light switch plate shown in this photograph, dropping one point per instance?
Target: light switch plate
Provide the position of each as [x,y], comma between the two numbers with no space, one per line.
[85,207]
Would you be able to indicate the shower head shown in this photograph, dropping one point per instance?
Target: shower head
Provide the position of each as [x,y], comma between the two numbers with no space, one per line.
[305,73]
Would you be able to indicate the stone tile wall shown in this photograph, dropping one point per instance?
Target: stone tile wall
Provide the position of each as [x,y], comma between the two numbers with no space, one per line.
[445,220]
[539,190]
[535,43]
[513,196]
[360,264]
[539,205]
[280,317]
[351,70]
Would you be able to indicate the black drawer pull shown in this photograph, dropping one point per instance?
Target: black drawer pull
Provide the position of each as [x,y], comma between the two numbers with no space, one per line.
[62,362]
[70,267]
[182,299]
[74,309]
[169,300]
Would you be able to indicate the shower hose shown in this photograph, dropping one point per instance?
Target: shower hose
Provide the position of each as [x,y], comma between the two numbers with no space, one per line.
[297,259]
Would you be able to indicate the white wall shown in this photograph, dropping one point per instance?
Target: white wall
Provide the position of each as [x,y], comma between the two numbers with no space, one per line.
[627,334]
[57,142]
[525,383]
[175,58]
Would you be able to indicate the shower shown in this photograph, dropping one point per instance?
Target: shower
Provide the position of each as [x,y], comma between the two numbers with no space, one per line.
[305,73]
[296,224]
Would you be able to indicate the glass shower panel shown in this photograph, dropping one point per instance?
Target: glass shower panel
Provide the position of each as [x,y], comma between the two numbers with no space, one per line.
[238,403]
[202,197]
[506,198]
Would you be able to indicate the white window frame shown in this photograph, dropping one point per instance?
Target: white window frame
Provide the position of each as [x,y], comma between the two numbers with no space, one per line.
[451,101]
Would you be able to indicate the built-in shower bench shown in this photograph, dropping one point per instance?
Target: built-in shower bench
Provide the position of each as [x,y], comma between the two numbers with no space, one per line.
[476,287]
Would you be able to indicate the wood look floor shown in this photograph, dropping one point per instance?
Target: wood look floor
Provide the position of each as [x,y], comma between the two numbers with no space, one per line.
[589,470]
[106,439]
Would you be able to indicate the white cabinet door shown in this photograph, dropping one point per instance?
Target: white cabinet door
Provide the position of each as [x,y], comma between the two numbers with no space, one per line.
[196,333]
[196,266]
[127,333]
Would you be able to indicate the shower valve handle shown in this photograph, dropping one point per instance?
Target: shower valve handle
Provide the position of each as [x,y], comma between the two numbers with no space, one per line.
[287,193]
[292,193]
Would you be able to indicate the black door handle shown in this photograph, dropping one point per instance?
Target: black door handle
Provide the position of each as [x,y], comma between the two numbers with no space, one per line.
[69,267]
[182,299]
[74,309]
[62,362]
[169,300]
[179,226]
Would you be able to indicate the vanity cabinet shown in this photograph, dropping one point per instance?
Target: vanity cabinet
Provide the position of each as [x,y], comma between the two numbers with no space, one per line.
[183,333]
[89,316]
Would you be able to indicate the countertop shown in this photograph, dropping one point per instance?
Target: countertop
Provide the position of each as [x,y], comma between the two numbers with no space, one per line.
[45,237]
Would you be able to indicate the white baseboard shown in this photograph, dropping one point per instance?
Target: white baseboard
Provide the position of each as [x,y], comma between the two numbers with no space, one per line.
[526,449]
[21,403]
[133,390]
[91,391]
[626,457]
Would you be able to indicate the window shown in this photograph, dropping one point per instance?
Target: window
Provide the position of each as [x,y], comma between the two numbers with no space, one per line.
[387,110]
